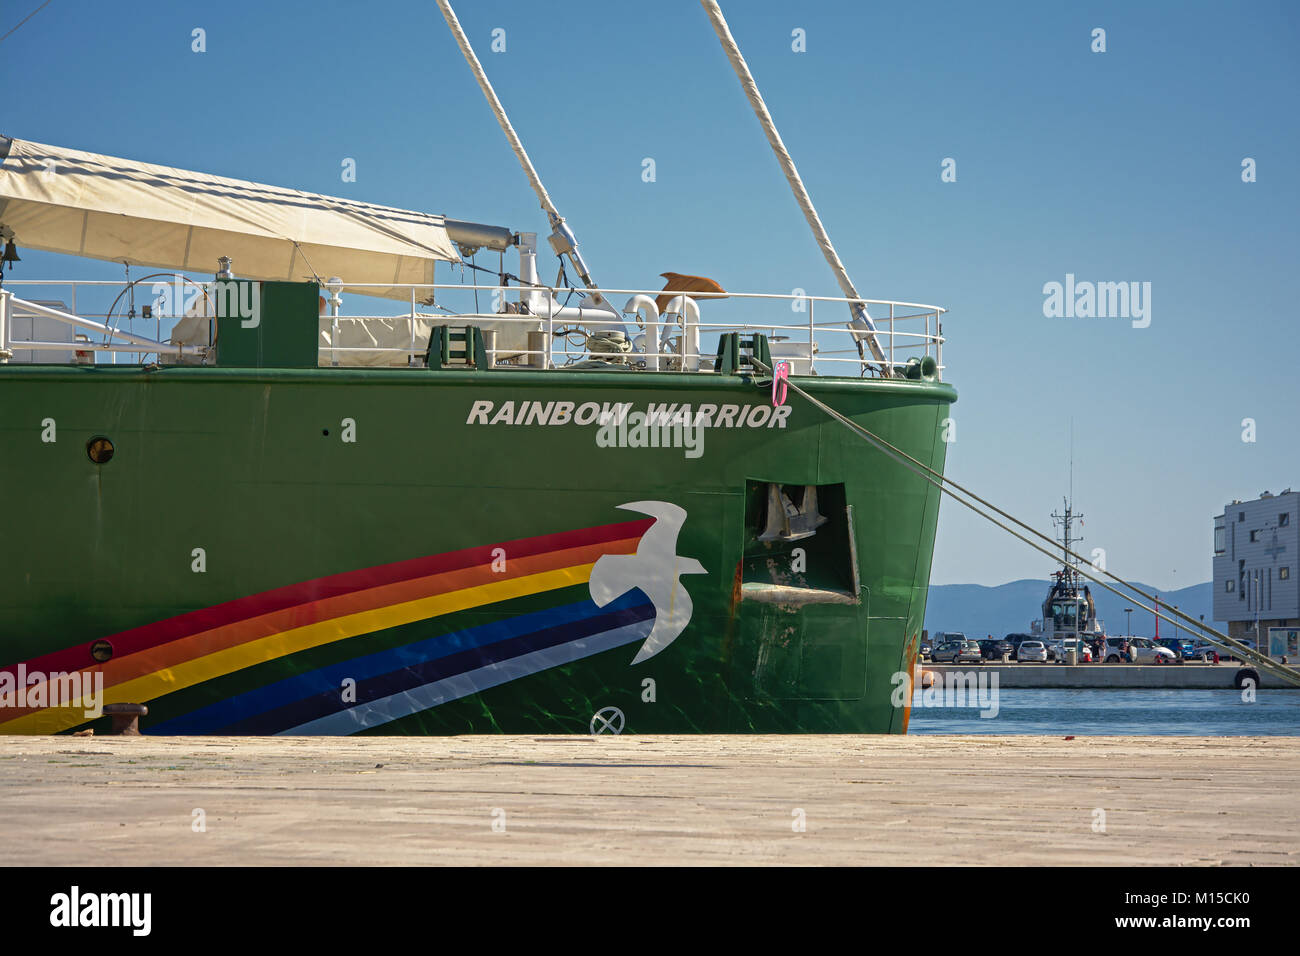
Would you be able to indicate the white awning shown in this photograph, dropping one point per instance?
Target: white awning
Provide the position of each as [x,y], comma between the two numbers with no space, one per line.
[84,204]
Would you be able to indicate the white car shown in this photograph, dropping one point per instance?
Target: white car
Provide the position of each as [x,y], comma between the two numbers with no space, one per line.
[1032,651]
[1057,650]
[1148,651]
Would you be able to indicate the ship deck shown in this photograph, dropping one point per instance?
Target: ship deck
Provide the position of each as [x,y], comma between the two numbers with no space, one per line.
[648,800]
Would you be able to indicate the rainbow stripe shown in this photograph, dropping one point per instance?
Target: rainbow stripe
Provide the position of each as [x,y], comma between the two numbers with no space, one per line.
[158,659]
[404,680]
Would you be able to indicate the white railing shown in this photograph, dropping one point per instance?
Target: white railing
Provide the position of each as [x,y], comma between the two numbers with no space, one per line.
[904,330]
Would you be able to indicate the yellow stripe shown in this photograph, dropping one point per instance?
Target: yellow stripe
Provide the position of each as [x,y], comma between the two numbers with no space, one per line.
[166,681]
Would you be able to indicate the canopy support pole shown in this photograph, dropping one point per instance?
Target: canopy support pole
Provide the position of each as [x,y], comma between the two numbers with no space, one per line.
[143,344]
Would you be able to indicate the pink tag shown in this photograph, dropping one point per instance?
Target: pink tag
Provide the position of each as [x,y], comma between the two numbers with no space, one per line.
[779,376]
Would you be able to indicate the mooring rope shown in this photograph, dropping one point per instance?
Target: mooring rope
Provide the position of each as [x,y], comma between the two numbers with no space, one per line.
[956,491]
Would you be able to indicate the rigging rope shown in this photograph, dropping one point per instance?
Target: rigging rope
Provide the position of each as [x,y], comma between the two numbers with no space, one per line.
[861,320]
[503,121]
[941,482]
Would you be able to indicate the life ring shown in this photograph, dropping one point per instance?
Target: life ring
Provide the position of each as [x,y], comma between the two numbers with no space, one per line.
[1246,673]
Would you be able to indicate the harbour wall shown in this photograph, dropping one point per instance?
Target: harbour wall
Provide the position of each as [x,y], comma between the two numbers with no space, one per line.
[1113,676]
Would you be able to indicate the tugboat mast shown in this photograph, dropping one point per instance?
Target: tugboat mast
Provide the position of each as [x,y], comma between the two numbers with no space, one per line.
[1069,573]
[1066,521]
[1068,576]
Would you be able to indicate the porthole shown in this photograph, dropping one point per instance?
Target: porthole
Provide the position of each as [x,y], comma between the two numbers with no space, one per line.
[101,651]
[100,450]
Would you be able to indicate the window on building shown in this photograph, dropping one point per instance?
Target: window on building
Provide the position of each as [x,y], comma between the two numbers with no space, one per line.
[1254,535]
[1284,519]
[1241,516]
[1283,574]
[1220,536]
[1228,586]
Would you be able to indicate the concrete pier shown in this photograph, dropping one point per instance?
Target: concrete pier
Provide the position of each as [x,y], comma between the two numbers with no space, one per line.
[650,800]
[1117,676]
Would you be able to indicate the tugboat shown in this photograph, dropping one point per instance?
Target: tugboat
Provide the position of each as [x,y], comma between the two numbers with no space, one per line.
[1068,613]
[428,517]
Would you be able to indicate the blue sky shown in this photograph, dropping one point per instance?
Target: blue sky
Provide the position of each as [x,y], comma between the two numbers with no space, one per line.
[1115,166]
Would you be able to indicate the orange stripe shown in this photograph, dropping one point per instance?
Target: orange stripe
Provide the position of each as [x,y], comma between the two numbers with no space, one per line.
[173,653]
[220,663]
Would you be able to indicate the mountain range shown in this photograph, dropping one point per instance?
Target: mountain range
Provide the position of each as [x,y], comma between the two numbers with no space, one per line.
[979,611]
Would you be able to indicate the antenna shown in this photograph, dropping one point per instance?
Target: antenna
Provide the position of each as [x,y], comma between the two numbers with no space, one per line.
[1072,462]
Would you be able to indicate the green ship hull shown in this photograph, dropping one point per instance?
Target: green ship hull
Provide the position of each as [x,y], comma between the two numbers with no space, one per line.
[418,551]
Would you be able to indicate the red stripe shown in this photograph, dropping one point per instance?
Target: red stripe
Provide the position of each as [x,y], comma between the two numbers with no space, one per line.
[161,632]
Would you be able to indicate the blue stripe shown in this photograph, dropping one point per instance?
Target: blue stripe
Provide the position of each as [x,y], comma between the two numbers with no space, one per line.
[574,635]
[229,714]
[458,686]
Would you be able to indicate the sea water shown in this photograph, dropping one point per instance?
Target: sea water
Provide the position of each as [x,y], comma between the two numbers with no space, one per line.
[1032,710]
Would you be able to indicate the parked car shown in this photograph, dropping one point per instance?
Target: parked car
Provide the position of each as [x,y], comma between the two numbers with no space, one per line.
[1148,651]
[1015,640]
[1204,651]
[1248,641]
[926,650]
[1057,650]
[1032,651]
[958,652]
[947,637]
[1183,647]
[994,649]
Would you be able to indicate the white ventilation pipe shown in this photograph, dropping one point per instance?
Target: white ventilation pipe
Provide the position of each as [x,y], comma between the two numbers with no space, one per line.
[599,315]
[528,273]
[5,354]
[689,312]
[648,312]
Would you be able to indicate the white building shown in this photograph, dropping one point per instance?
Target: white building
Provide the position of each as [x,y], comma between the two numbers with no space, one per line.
[1256,585]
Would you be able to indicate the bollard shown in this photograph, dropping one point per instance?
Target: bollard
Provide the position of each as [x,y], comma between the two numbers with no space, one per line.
[126,718]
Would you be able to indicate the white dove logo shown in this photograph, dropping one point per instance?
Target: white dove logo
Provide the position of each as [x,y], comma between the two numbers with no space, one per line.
[655,569]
